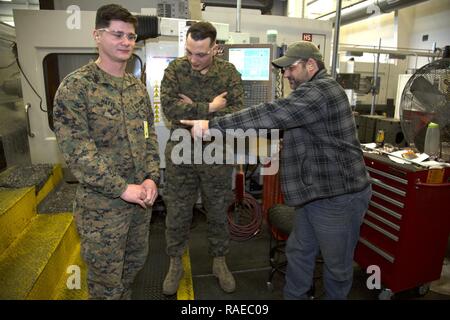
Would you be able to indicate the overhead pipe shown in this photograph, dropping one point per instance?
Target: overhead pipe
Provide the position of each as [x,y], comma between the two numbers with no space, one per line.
[366,9]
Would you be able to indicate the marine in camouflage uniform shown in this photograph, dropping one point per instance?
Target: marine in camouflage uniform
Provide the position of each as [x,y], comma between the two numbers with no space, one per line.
[185,180]
[104,127]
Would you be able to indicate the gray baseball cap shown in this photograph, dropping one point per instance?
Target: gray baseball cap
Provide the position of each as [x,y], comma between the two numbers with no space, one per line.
[298,50]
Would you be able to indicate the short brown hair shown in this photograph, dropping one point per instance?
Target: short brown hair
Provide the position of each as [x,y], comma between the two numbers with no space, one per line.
[202,30]
[110,12]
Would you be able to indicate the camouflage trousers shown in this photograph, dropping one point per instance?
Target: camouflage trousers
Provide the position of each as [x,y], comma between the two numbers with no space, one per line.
[183,183]
[114,243]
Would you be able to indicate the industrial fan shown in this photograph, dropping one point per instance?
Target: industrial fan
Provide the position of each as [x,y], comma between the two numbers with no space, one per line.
[425,99]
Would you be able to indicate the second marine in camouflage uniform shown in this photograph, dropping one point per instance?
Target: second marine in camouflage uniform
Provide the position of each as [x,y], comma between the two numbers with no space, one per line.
[185,180]
[104,127]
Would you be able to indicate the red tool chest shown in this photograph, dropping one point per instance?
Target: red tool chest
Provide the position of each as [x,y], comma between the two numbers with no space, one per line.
[406,228]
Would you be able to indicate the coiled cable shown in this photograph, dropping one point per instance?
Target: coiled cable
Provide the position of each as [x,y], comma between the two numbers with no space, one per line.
[244,214]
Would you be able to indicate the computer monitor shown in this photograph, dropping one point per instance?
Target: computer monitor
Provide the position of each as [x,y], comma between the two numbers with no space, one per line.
[253,63]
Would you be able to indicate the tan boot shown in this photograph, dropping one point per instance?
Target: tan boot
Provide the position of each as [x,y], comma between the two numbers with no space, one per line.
[173,277]
[226,279]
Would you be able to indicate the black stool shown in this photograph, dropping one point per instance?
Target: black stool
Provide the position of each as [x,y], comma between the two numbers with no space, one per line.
[281,220]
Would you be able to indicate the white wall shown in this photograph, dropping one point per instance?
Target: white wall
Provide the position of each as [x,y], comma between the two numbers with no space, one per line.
[430,18]
[401,29]
[369,31]
[404,29]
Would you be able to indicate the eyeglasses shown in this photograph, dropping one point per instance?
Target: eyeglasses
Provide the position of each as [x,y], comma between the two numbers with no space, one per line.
[200,55]
[292,66]
[120,34]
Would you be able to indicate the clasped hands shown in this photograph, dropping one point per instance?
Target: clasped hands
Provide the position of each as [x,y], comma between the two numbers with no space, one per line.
[143,194]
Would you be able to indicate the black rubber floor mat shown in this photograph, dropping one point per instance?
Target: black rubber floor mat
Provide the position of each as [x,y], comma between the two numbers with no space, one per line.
[148,283]
[26,176]
[60,199]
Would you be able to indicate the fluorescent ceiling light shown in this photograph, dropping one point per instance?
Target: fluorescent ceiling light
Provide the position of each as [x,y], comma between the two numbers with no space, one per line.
[11,23]
[350,9]
[7,20]
[318,7]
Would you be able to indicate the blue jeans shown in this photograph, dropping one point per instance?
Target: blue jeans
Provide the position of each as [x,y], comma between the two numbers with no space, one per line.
[332,226]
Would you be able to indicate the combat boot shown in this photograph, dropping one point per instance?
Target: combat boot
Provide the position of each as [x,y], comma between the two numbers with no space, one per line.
[173,277]
[226,279]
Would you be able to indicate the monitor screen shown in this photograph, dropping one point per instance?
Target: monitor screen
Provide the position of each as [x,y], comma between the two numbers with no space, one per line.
[252,63]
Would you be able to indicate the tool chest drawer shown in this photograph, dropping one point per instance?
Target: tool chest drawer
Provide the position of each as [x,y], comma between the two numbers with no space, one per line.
[406,228]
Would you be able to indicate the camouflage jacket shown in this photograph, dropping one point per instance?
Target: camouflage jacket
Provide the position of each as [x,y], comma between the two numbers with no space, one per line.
[104,127]
[180,78]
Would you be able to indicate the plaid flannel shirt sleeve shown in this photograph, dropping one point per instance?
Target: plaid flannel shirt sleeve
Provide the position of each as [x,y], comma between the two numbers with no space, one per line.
[298,109]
